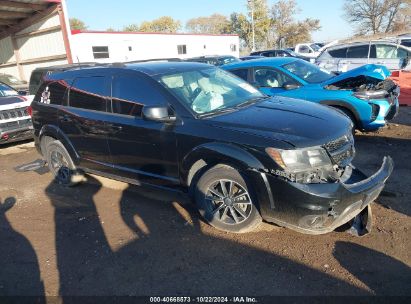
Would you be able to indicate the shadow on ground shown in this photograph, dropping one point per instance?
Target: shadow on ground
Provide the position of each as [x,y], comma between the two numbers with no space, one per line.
[368,264]
[171,255]
[19,267]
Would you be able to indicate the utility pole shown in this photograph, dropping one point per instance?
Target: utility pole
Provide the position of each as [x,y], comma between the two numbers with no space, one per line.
[251,2]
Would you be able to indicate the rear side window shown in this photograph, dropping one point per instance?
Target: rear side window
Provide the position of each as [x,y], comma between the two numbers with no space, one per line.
[131,92]
[360,51]
[242,73]
[57,92]
[88,93]
[339,53]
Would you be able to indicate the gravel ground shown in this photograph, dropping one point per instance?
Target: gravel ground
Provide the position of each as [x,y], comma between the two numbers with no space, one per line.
[109,238]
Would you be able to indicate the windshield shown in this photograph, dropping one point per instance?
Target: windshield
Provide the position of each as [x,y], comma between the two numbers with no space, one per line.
[7,91]
[307,71]
[210,90]
[292,53]
[315,47]
[228,59]
[9,79]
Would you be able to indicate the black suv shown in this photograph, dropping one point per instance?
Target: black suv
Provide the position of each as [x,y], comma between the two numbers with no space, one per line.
[242,156]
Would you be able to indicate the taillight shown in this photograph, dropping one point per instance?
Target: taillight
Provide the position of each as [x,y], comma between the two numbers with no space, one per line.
[30,110]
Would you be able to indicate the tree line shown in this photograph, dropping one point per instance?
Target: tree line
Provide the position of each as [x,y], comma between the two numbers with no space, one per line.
[277,25]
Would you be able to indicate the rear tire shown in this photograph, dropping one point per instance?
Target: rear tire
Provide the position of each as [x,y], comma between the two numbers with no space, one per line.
[60,163]
[225,201]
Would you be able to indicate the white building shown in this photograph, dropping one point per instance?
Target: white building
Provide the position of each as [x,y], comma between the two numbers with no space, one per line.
[35,33]
[98,46]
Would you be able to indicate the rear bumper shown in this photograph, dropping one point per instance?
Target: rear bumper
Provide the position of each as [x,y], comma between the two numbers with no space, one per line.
[16,134]
[321,208]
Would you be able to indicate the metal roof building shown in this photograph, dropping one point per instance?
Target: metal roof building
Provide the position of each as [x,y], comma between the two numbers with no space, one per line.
[32,33]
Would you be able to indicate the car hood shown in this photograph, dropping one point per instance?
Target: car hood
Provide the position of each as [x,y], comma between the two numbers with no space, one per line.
[12,102]
[297,122]
[370,70]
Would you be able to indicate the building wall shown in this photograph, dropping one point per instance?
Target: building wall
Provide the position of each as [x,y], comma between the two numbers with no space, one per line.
[46,47]
[150,46]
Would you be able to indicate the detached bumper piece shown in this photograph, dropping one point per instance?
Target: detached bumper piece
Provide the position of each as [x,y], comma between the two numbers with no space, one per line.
[321,208]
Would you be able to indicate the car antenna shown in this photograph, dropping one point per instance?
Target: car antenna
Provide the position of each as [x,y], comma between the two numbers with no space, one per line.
[78,62]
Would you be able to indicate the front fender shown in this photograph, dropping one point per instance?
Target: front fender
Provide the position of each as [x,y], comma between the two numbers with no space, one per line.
[342,104]
[55,132]
[214,153]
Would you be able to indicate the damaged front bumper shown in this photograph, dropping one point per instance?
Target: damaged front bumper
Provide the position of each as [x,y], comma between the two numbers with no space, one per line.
[321,208]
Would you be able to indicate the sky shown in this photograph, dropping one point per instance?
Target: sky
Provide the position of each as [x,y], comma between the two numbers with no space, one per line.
[103,14]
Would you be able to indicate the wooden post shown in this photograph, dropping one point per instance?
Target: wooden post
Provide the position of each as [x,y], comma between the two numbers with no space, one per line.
[18,58]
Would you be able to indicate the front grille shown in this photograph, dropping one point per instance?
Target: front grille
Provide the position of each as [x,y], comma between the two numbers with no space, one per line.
[12,125]
[13,113]
[341,150]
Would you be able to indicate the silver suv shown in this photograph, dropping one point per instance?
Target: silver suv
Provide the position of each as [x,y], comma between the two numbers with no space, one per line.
[345,57]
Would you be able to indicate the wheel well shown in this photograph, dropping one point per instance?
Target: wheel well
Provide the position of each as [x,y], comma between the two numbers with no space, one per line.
[200,167]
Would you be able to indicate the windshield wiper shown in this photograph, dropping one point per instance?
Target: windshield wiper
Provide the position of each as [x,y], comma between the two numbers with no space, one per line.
[234,108]
[215,112]
[251,101]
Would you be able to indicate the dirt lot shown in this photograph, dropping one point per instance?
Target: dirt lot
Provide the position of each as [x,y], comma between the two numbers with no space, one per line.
[108,238]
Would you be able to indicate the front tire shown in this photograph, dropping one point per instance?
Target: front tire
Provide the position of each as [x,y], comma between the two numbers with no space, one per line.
[60,163]
[225,201]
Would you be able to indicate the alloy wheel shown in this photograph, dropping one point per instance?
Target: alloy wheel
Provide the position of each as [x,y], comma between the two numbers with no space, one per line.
[60,165]
[230,203]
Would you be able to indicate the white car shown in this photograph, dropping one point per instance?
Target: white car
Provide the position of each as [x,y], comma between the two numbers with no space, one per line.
[15,119]
[310,50]
[345,57]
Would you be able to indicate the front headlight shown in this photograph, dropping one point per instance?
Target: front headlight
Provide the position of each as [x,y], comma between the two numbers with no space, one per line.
[367,95]
[300,160]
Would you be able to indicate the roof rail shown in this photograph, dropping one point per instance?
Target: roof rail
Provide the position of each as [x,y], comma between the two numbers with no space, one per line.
[155,59]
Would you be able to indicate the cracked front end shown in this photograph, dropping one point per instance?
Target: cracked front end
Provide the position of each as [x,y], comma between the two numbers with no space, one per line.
[315,195]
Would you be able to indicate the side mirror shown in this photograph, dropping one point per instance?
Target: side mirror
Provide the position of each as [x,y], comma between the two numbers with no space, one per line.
[290,86]
[157,113]
[22,93]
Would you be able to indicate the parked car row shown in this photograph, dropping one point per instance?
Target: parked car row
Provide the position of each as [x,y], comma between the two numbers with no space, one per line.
[243,156]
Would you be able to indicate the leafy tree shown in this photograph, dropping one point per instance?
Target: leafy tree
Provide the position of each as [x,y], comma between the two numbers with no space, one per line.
[131,28]
[110,29]
[403,19]
[373,16]
[241,24]
[163,24]
[214,24]
[77,24]
[285,29]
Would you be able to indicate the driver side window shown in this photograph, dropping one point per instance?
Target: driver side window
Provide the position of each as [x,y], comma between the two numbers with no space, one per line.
[270,78]
[130,93]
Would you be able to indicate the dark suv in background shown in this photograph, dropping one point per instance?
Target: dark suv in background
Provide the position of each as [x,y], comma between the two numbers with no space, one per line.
[242,156]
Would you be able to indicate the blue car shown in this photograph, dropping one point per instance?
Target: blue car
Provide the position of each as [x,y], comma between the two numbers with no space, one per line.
[364,94]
